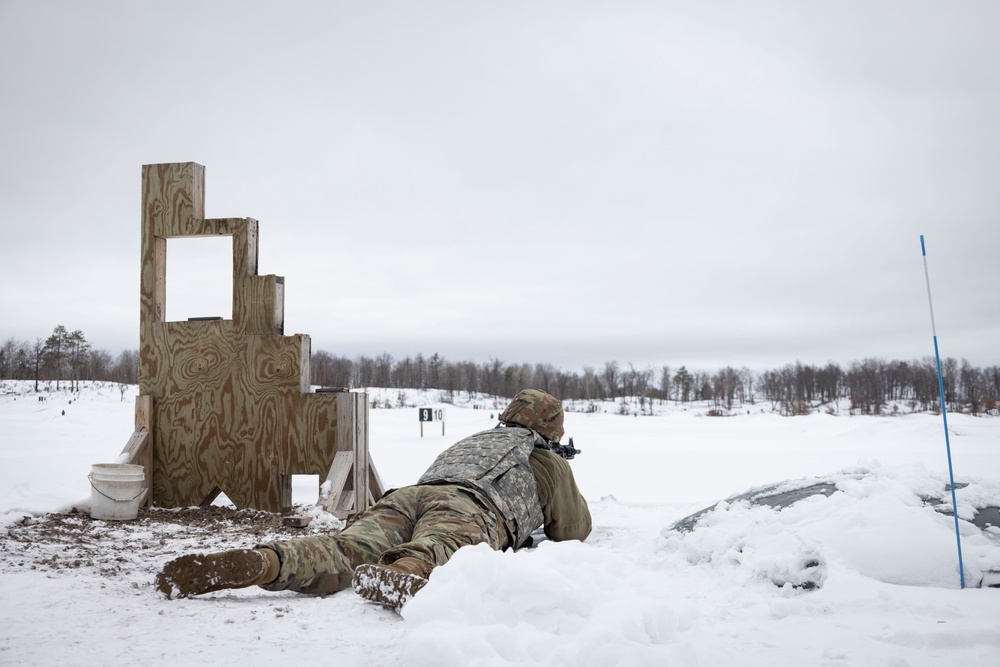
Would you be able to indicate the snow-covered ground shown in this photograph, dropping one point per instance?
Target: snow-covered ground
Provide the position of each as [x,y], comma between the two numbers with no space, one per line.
[729,592]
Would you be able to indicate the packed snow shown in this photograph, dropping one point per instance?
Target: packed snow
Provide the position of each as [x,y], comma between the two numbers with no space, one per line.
[865,576]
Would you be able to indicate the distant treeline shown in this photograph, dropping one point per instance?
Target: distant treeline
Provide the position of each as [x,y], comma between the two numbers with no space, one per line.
[65,356]
[869,385]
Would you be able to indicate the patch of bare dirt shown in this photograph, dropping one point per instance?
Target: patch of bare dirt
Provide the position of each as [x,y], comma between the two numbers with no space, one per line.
[75,541]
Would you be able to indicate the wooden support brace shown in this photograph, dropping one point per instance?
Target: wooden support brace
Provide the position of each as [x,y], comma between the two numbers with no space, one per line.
[340,500]
[375,487]
[139,448]
[138,451]
[144,422]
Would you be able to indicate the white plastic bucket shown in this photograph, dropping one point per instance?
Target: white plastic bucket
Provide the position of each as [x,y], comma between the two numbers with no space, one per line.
[114,490]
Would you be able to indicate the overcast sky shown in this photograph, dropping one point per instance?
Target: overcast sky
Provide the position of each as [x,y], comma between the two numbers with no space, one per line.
[708,183]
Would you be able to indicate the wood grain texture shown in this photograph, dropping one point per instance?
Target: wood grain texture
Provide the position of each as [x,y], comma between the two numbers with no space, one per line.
[228,400]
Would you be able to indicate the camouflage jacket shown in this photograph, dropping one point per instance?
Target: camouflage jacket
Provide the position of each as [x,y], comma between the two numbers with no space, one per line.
[496,464]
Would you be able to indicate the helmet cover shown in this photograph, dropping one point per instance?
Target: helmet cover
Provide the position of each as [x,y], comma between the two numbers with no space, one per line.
[534,409]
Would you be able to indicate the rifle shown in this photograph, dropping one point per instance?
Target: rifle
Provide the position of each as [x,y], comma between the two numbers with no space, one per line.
[565,451]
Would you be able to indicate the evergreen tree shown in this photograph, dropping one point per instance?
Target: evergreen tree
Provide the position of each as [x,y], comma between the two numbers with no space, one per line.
[79,355]
[57,351]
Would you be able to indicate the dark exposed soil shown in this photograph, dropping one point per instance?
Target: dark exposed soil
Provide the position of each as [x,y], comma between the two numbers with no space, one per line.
[137,547]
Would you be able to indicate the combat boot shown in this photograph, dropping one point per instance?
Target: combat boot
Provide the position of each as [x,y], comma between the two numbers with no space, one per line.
[195,574]
[392,585]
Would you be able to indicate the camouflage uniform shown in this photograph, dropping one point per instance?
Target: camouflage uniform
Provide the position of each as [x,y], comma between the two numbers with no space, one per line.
[429,523]
[481,490]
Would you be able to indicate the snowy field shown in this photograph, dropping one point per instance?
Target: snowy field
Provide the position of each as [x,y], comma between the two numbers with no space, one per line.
[866,576]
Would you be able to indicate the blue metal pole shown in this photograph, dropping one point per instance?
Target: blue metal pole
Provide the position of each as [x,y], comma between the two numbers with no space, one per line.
[944,414]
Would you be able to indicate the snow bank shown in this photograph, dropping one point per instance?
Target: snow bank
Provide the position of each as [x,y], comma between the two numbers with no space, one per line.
[558,604]
[880,525]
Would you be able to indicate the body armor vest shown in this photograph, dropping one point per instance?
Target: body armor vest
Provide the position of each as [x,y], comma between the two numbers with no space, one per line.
[495,463]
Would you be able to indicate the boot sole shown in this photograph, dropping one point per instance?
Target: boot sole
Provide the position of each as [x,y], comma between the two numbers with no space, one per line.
[195,574]
[386,586]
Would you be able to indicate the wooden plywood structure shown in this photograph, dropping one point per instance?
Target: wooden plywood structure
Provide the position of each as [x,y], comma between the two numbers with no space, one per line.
[226,404]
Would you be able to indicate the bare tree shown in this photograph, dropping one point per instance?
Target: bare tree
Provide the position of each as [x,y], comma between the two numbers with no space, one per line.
[7,354]
[364,372]
[420,372]
[563,383]
[545,375]
[949,376]
[974,387]
[126,367]
[492,376]
[469,373]
[383,370]
[665,383]
[589,385]
[747,386]
[38,359]
[611,378]
[98,365]
[330,371]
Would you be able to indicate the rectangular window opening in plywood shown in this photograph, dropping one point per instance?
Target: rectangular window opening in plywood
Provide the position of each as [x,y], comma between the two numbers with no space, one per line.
[305,490]
[199,278]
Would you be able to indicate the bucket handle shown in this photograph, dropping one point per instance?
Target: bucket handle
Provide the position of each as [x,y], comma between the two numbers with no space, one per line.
[114,500]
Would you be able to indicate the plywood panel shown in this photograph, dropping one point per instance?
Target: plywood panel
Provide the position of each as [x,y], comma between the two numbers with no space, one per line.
[229,402]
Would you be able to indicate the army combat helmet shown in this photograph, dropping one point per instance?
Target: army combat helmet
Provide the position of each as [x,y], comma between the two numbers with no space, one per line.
[534,409]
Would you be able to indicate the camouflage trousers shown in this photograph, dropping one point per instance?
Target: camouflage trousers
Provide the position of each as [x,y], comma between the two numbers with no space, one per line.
[429,523]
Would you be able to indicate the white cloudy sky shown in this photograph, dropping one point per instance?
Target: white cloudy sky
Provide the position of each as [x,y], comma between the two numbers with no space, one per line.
[714,183]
